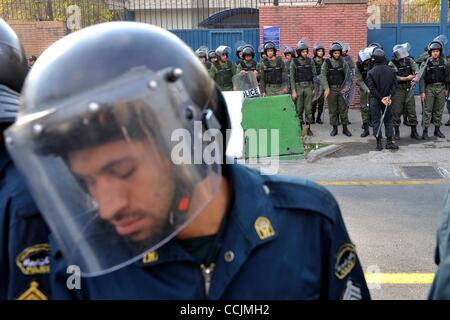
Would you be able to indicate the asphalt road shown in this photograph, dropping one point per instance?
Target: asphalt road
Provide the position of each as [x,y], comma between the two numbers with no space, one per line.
[391,203]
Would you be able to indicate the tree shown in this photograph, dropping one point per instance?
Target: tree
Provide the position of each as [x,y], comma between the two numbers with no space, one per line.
[77,13]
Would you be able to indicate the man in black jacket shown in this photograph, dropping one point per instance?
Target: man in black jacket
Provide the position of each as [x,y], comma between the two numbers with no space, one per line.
[382,84]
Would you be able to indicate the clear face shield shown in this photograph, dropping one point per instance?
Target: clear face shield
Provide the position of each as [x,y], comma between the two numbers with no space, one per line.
[119,170]
[401,52]
[364,55]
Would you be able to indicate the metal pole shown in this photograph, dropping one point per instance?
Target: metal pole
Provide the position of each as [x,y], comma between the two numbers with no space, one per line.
[444,18]
[399,21]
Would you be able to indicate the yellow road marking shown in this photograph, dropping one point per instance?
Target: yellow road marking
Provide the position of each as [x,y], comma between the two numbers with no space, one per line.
[399,278]
[368,183]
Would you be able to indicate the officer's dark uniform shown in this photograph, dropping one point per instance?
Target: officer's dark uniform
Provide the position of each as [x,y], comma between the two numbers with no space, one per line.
[441,283]
[284,238]
[24,249]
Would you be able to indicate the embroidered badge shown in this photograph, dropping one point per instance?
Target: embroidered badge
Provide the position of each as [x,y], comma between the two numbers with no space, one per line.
[345,260]
[34,260]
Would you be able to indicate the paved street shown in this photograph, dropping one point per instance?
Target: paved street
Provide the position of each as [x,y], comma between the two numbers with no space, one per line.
[391,202]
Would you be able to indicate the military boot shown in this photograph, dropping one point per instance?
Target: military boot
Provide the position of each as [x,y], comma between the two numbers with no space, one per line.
[425,134]
[397,133]
[438,133]
[390,144]
[379,144]
[414,133]
[308,131]
[334,131]
[447,123]
[366,130]
[346,131]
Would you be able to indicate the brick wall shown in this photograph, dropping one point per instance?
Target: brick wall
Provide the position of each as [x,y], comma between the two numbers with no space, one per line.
[326,23]
[36,36]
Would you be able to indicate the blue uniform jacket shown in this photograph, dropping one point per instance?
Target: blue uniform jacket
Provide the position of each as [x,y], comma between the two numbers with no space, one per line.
[24,248]
[284,239]
[441,284]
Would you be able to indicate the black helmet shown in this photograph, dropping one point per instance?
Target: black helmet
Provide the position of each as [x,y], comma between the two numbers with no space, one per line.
[13,60]
[376,45]
[211,55]
[434,45]
[318,46]
[270,45]
[261,51]
[248,51]
[201,53]
[223,50]
[239,50]
[289,50]
[301,45]
[134,95]
[378,56]
[335,46]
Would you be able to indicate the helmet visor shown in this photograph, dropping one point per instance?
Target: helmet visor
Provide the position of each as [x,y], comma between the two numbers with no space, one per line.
[119,170]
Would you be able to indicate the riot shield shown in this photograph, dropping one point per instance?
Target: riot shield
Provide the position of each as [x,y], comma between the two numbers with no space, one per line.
[348,88]
[318,88]
[247,82]
[442,39]
[419,75]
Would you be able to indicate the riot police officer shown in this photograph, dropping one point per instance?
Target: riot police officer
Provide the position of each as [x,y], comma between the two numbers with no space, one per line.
[318,100]
[273,72]
[302,72]
[289,54]
[239,55]
[202,54]
[212,56]
[139,218]
[434,89]
[24,248]
[333,76]
[248,63]
[406,70]
[224,69]
[363,66]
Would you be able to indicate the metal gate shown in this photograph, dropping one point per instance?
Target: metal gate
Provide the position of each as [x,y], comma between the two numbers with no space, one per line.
[416,22]
[212,38]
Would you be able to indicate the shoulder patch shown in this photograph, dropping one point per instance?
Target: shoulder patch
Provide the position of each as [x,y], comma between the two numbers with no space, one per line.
[345,260]
[300,193]
[34,260]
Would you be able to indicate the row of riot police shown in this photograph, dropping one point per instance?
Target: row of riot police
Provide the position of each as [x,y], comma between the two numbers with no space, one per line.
[431,74]
[308,80]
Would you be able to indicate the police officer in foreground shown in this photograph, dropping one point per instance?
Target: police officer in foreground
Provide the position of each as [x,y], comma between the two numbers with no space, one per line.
[139,217]
[363,66]
[302,73]
[434,89]
[405,69]
[24,248]
[273,72]
[333,76]
[317,104]
[440,289]
[382,82]
[224,69]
